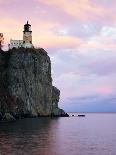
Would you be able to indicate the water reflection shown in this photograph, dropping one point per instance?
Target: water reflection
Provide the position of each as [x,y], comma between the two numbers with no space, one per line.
[28,136]
[93,135]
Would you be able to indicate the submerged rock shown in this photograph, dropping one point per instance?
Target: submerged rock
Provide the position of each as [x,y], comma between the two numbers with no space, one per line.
[26,84]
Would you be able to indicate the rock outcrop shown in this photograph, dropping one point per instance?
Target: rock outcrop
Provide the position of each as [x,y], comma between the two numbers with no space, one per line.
[56,111]
[26,84]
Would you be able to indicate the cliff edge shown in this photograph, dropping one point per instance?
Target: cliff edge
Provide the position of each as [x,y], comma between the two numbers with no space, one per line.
[26,85]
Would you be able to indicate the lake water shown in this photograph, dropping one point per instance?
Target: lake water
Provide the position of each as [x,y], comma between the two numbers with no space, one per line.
[94,134]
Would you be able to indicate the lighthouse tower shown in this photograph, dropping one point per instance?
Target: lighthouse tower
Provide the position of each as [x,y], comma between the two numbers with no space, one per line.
[27,39]
[27,36]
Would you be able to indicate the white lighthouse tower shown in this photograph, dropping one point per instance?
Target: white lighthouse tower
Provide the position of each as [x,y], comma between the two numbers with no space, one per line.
[27,39]
[27,36]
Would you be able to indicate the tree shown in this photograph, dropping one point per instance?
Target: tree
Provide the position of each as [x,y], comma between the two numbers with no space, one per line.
[1,40]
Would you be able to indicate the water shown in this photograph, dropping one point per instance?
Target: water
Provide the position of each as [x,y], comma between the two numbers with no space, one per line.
[94,134]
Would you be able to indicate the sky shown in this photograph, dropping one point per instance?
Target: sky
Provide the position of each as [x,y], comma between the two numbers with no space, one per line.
[80,38]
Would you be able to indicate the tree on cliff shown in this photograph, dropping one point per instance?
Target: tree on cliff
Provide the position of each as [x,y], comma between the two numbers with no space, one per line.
[1,40]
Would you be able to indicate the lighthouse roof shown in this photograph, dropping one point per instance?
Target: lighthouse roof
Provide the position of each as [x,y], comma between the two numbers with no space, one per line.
[27,27]
[27,23]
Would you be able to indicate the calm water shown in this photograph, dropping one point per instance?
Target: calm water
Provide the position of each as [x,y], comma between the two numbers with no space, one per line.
[94,134]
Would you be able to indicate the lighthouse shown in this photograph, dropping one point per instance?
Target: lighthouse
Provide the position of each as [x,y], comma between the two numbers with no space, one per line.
[27,39]
[27,36]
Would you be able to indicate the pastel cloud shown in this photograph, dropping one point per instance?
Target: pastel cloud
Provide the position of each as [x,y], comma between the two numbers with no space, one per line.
[50,40]
[81,9]
[92,103]
[91,73]
[105,90]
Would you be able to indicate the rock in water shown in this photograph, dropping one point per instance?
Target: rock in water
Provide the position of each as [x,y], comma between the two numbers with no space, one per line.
[26,84]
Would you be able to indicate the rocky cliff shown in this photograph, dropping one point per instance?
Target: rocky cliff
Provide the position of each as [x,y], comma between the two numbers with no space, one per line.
[56,111]
[26,84]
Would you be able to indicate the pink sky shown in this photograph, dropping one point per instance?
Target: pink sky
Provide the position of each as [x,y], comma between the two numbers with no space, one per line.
[80,32]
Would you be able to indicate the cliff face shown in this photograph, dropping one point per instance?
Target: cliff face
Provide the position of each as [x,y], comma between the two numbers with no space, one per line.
[56,111]
[26,83]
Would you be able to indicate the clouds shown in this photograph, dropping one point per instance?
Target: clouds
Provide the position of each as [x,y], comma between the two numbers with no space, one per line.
[91,104]
[82,10]
[87,73]
[49,40]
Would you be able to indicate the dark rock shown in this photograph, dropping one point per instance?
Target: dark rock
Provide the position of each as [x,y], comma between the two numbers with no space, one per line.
[8,117]
[1,116]
[81,115]
[26,84]
[56,111]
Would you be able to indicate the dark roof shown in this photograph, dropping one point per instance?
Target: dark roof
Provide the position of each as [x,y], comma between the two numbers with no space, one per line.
[28,24]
